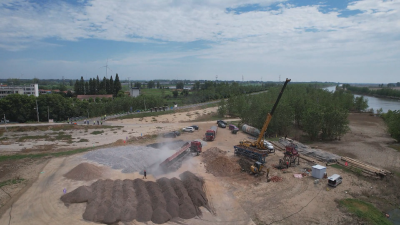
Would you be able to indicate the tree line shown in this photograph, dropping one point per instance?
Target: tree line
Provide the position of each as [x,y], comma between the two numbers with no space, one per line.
[22,108]
[96,87]
[392,120]
[384,92]
[319,113]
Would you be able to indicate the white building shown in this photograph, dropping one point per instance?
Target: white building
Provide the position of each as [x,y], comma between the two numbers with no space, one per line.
[134,92]
[32,89]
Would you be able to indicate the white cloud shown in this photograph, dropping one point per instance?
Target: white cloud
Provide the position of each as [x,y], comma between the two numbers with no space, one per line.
[271,37]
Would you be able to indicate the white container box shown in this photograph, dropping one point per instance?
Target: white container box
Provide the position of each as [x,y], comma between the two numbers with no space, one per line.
[318,171]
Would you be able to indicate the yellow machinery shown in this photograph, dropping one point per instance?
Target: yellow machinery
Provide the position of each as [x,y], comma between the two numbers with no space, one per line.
[257,167]
[259,143]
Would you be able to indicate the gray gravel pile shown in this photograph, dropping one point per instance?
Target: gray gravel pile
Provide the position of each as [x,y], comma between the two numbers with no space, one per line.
[129,158]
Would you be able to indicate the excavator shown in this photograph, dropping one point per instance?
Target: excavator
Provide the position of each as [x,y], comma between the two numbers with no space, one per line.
[257,167]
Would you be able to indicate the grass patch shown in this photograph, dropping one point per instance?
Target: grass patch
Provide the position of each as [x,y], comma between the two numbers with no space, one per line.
[83,140]
[395,147]
[63,137]
[11,181]
[24,138]
[97,132]
[3,138]
[365,211]
[348,169]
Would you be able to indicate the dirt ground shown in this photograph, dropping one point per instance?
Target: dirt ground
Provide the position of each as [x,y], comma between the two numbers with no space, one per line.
[13,142]
[367,141]
[238,199]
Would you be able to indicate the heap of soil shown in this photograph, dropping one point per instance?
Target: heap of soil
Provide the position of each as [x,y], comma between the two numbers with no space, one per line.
[194,187]
[111,201]
[218,164]
[84,171]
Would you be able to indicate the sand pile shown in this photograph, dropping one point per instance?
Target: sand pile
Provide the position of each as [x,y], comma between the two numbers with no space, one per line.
[218,164]
[111,201]
[84,171]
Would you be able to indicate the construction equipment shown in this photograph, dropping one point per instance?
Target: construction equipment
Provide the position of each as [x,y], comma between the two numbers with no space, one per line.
[251,167]
[259,143]
[174,161]
[211,133]
[290,156]
[258,150]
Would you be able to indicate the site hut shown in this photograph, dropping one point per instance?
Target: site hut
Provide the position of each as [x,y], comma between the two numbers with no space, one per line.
[134,92]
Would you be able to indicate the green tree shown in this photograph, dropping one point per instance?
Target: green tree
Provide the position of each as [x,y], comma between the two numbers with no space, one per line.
[392,120]
[179,85]
[111,87]
[312,121]
[81,86]
[360,104]
[185,92]
[150,84]
[138,84]
[222,108]
[117,85]
[175,93]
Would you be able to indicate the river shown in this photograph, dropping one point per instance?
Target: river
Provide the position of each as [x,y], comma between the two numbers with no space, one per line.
[377,103]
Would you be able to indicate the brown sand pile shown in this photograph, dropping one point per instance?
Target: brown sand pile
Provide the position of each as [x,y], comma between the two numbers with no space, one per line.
[218,164]
[194,187]
[84,171]
[111,201]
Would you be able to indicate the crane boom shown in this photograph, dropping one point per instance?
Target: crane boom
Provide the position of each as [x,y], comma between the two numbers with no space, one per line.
[259,143]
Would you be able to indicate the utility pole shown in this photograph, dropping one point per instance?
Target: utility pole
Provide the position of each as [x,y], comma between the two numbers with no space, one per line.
[37,111]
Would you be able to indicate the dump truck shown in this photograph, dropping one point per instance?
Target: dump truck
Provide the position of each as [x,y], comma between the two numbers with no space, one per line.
[211,133]
[174,161]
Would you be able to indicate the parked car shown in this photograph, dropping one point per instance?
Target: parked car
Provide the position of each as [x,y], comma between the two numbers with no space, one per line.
[169,135]
[188,129]
[177,133]
[7,121]
[334,180]
[269,146]
[222,125]
[233,127]
[221,121]
[195,127]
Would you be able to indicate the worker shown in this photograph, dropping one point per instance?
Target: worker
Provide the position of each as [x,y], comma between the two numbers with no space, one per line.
[144,175]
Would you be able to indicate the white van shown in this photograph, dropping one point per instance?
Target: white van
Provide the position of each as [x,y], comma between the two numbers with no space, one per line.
[334,180]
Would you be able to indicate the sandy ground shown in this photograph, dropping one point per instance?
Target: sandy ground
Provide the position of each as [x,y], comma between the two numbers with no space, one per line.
[240,199]
[367,141]
[127,129]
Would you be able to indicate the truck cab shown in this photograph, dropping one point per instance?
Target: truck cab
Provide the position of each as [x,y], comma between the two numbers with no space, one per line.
[196,146]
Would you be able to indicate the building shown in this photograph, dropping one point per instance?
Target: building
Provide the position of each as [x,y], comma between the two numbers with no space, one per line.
[87,97]
[134,92]
[32,89]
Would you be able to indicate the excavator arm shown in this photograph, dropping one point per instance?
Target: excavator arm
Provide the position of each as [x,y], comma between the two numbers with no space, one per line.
[260,142]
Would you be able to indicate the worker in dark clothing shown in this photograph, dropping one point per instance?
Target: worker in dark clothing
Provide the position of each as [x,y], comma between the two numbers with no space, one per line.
[144,175]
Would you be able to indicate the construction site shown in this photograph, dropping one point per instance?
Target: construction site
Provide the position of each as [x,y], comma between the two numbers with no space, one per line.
[233,178]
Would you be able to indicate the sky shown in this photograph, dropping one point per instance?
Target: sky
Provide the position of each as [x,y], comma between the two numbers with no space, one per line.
[343,41]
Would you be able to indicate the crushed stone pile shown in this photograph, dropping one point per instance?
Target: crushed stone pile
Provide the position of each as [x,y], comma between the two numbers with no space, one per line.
[129,159]
[218,164]
[311,152]
[84,171]
[111,201]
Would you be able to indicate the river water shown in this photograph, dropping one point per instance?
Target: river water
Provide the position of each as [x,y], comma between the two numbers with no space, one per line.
[377,103]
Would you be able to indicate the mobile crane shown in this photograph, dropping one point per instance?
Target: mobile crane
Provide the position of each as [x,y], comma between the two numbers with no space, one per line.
[256,150]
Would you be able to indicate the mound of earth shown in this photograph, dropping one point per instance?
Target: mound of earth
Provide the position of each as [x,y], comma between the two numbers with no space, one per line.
[84,171]
[111,201]
[218,164]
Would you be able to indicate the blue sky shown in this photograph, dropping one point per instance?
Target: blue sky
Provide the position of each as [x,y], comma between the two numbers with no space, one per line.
[307,40]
